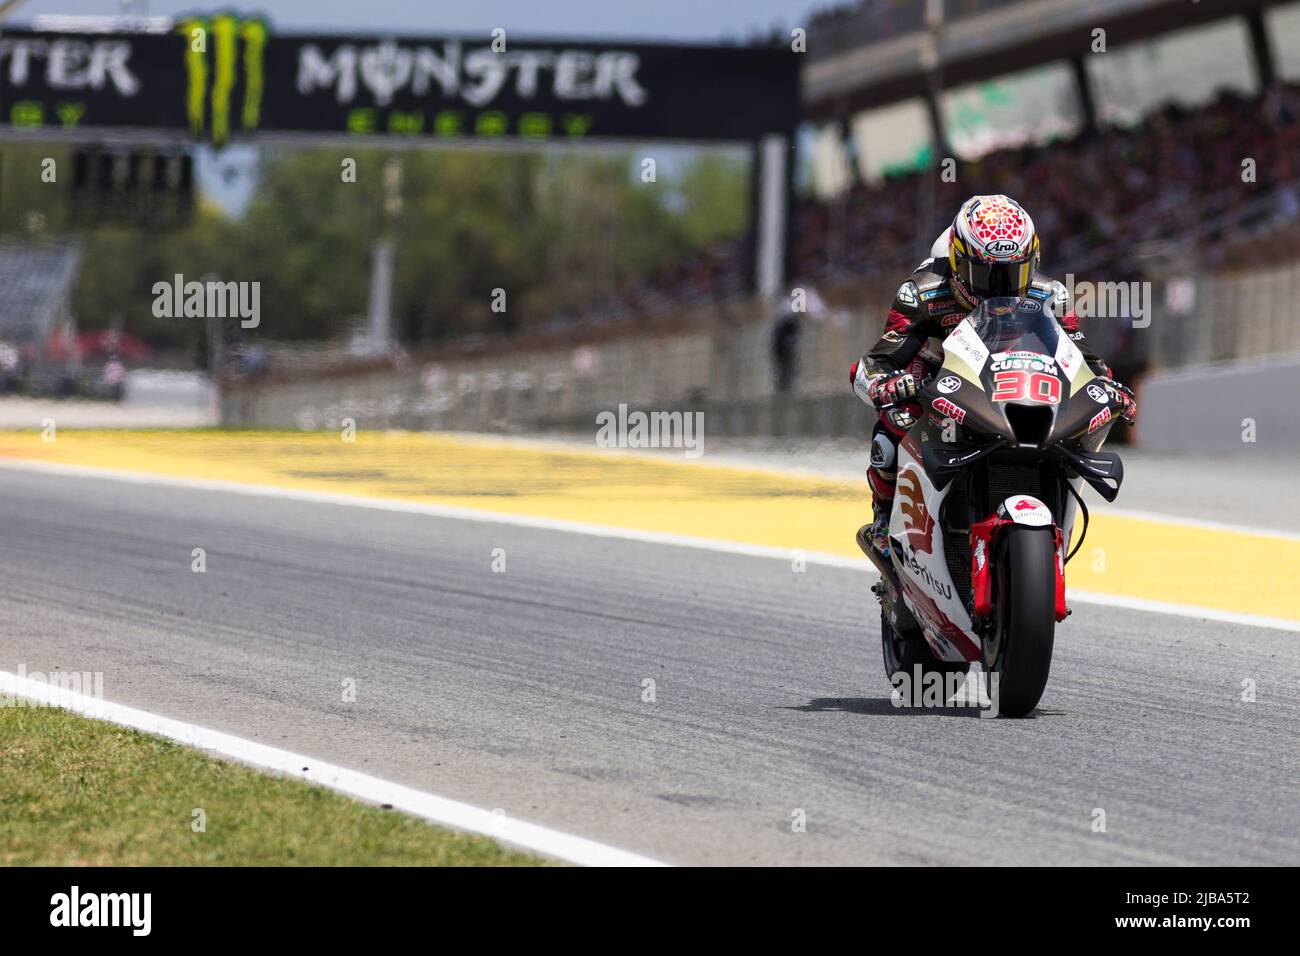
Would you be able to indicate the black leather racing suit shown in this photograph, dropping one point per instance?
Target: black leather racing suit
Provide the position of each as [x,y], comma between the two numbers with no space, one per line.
[924,311]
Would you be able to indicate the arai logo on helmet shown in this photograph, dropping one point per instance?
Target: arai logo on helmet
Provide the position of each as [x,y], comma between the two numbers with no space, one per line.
[948,384]
[1001,248]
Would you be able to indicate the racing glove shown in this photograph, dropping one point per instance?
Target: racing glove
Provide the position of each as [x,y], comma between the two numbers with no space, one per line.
[881,389]
[1122,394]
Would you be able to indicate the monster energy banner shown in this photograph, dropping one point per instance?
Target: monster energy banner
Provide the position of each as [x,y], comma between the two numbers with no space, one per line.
[69,81]
[227,76]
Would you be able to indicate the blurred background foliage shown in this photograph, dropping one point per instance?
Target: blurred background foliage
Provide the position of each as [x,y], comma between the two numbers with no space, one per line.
[556,231]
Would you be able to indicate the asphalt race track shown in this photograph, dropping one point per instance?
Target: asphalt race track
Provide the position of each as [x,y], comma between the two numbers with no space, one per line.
[522,690]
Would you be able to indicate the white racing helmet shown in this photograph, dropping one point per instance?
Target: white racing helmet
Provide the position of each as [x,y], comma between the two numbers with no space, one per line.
[992,249]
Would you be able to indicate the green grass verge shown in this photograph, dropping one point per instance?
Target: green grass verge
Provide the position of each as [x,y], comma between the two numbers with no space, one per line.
[75,791]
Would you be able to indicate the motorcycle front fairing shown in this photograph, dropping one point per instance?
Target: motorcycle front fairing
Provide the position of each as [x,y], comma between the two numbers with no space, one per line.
[1013,397]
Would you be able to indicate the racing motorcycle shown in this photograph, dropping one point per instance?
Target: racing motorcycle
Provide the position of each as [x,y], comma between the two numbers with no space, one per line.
[989,480]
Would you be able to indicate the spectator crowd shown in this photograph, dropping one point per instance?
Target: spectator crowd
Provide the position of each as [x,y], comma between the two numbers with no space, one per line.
[1207,183]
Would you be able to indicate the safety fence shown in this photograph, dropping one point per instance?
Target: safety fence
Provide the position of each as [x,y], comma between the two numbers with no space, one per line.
[725,364]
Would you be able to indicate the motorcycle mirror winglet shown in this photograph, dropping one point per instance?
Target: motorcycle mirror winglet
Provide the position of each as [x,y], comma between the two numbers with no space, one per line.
[1097,468]
[943,461]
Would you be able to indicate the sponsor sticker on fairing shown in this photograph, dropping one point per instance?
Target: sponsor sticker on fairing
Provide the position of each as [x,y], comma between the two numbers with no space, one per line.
[965,344]
[1026,509]
[1101,418]
[948,384]
[1068,357]
[948,410]
[1027,361]
[1098,395]
[940,587]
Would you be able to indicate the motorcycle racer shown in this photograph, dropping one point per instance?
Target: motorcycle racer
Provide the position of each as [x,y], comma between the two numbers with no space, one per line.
[990,250]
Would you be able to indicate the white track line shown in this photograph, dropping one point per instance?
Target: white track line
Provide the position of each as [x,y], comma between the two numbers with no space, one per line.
[606,531]
[440,810]
[1182,610]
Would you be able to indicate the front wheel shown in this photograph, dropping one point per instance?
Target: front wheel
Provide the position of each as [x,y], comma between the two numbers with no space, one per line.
[1019,651]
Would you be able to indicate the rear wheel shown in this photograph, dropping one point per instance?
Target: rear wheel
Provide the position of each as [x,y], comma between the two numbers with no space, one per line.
[904,649]
[1019,651]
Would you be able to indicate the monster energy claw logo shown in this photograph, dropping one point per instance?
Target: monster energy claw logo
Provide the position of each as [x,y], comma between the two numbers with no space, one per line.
[215,84]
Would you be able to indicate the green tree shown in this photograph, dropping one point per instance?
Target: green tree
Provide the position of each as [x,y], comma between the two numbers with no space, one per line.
[557,231]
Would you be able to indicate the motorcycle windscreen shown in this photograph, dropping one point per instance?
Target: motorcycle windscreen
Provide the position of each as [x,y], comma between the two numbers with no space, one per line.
[1027,366]
[1027,326]
[1014,324]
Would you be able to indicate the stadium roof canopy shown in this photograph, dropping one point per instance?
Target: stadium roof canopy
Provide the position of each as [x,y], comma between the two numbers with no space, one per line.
[878,52]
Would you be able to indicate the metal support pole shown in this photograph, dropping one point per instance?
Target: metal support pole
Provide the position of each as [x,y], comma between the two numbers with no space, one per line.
[1083,89]
[379,337]
[932,62]
[1261,51]
[772,213]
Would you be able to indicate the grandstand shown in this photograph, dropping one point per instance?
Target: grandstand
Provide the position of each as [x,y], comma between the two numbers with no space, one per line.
[36,313]
[1104,201]
[37,280]
[1123,125]
[1140,173]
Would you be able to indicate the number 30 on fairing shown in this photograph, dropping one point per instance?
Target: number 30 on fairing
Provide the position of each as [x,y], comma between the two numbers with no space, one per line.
[1017,385]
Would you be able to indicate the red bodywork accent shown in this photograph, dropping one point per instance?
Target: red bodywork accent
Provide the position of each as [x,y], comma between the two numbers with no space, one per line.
[1059,538]
[985,533]
[982,535]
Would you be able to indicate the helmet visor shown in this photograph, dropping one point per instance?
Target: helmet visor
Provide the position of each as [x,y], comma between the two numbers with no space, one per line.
[996,279]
